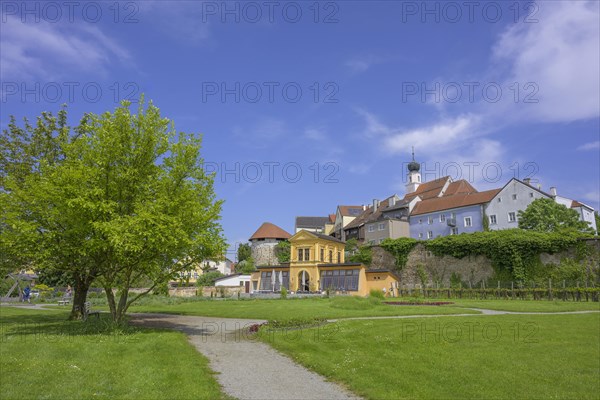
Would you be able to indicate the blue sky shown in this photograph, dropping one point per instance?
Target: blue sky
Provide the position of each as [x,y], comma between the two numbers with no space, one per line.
[335,91]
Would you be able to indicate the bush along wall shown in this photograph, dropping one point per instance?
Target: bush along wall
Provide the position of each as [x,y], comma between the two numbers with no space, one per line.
[514,255]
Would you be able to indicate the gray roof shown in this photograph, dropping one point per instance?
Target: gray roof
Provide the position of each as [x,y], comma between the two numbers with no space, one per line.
[311,222]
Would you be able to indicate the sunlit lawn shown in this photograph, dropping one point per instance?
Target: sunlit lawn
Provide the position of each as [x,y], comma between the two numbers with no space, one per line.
[336,307]
[528,305]
[343,307]
[482,357]
[42,356]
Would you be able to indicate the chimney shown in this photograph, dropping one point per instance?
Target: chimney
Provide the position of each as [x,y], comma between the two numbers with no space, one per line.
[364,207]
[375,204]
[539,186]
[553,191]
[527,181]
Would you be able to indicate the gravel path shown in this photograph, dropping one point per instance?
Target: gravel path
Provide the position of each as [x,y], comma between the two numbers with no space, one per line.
[247,369]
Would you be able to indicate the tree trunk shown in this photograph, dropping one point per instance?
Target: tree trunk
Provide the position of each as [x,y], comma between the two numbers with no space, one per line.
[123,306]
[81,287]
[110,296]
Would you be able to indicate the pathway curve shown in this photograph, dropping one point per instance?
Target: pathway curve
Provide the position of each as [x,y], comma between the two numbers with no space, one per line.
[247,369]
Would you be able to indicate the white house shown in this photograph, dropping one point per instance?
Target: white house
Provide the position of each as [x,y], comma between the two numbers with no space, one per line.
[234,281]
[223,266]
[503,210]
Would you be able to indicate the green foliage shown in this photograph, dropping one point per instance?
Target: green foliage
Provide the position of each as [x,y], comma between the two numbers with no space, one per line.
[573,271]
[246,266]
[423,277]
[283,251]
[208,278]
[124,198]
[455,280]
[284,293]
[513,250]
[597,217]
[376,293]
[546,215]
[351,246]
[363,255]
[244,252]
[400,248]
[161,289]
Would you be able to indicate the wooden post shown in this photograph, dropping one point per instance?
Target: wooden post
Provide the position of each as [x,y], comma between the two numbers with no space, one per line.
[550,288]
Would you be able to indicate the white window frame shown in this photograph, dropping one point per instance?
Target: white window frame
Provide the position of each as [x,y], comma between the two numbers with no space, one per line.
[430,235]
[420,235]
[515,216]
[442,217]
[493,219]
[420,220]
[470,224]
[453,215]
[371,228]
[430,220]
[382,226]
[454,231]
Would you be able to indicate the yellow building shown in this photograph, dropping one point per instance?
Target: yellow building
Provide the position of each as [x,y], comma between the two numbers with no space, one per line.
[317,263]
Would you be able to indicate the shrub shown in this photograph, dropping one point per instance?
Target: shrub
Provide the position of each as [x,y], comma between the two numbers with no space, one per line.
[376,293]
[284,293]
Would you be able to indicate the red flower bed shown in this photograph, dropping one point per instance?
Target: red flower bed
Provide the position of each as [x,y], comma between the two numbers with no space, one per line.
[414,303]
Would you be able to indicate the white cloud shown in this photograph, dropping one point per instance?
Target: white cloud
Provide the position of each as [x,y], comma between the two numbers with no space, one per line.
[48,51]
[449,133]
[315,134]
[560,54]
[590,146]
[361,64]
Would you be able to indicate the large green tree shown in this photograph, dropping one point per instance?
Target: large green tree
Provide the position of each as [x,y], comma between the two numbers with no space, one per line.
[38,228]
[129,199]
[546,215]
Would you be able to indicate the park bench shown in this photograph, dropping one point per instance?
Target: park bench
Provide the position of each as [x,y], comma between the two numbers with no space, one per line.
[65,301]
[87,311]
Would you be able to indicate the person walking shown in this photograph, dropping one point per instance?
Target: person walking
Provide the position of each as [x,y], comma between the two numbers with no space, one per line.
[27,294]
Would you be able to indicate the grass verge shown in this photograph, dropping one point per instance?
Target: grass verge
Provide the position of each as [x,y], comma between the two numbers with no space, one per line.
[44,356]
[491,357]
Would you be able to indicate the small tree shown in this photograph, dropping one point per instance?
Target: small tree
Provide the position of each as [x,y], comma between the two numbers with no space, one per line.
[246,266]
[546,215]
[208,278]
[283,251]
[244,252]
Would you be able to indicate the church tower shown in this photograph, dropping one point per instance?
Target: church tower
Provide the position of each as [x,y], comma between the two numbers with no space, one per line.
[414,176]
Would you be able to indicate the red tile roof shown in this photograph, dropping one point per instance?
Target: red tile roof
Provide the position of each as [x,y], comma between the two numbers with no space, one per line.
[368,215]
[459,187]
[345,210]
[331,218]
[429,189]
[455,201]
[270,231]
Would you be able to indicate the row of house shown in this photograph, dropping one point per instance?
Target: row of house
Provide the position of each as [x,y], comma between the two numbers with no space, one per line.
[441,207]
[427,210]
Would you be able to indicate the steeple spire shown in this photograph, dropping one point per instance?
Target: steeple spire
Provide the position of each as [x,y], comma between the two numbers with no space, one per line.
[414,176]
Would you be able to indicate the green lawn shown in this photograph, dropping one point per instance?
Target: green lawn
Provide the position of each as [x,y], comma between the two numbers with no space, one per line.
[42,356]
[336,307]
[483,357]
[528,305]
